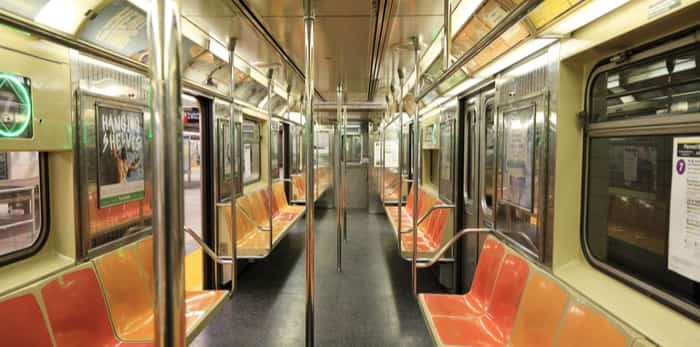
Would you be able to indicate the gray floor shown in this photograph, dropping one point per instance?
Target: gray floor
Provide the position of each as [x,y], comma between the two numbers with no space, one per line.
[369,304]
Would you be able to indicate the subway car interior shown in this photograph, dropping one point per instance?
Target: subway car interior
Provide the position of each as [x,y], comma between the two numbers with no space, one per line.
[351,173]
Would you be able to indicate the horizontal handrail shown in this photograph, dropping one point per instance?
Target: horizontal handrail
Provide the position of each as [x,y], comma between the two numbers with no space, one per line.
[260,227]
[219,259]
[282,180]
[459,235]
[426,214]
[449,244]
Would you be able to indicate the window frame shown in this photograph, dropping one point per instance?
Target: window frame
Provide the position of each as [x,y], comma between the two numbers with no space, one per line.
[673,124]
[259,143]
[45,227]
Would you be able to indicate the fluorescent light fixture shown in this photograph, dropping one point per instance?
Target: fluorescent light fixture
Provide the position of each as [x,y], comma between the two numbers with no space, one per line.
[142,4]
[579,17]
[263,102]
[501,63]
[62,15]
[218,49]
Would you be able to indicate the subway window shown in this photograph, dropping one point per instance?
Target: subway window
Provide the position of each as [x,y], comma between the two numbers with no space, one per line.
[21,209]
[642,208]
[251,151]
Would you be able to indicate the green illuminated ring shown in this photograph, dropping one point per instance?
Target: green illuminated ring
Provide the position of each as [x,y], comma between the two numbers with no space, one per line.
[24,98]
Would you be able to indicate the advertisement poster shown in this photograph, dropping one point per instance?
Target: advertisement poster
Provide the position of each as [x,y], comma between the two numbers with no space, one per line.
[120,155]
[391,154]
[684,222]
[518,156]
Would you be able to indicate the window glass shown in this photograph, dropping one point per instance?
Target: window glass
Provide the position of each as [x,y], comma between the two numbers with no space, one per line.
[276,155]
[20,201]
[627,221]
[657,86]
[446,138]
[468,143]
[251,151]
[490,156]
[628,215]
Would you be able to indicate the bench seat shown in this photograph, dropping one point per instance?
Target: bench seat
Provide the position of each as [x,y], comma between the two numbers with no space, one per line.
[127,278]
[252,215]
[430,230]
[513,302]
[22,322]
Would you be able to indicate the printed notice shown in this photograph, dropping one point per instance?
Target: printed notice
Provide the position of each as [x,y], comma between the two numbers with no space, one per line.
[684,224]
[120,156]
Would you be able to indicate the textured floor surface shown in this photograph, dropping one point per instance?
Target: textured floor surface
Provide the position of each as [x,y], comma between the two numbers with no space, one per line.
[368,304]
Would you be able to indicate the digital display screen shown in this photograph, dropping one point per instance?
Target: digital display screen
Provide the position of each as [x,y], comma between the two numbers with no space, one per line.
[16,109]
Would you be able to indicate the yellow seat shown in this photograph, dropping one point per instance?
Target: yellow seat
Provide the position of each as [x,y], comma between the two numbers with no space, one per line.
[584,327]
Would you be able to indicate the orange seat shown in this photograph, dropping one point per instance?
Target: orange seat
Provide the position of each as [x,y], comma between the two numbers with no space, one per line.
[430,229]
[22,323]
[197,303]
[77,313]
[128,293]
[475,301]
[492,328]
[584,327]
[540,313]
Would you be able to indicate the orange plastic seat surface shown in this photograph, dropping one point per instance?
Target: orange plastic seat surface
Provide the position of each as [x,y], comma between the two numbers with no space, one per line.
[492,328]
[584,327]
[77,311]
[128,294]
[475,301]
[22,323]
[540,313]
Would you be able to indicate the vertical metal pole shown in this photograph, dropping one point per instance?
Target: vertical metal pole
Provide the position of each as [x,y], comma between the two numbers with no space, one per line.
[168,200]
[270,73]
[416,164]
[345,177]
[447,31]
[234,169]
[337,176]
[400,201]
[309,133]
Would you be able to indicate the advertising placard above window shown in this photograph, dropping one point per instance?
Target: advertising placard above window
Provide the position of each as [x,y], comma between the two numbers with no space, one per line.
[120,155]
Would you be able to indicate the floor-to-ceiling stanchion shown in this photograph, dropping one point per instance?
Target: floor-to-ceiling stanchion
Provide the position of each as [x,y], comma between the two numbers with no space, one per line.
[309,135]
[416,162]
[167,160]
[338,178]
[270,73]
[400,109]
[233,155]
[345,174]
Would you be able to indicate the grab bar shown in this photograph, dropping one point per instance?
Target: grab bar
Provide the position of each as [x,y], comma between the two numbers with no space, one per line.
[219,259]
[459,235]
[426,214]
[260,227]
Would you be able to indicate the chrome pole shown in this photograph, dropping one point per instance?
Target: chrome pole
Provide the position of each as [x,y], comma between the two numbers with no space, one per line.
[168,194]
[270,73]
[447,31]
[337,177]
[234,169]
[400,203]
[345,177]
[309,134]
[416,163]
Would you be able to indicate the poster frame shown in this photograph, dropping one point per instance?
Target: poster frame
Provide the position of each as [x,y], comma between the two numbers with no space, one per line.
[527,104]
[98,124]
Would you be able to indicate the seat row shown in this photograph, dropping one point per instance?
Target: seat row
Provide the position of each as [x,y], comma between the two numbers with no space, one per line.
[252,220]
[430,229]
[391,186]
[513,302]
[108,301]
[322,183]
